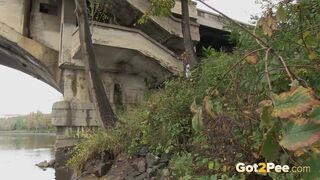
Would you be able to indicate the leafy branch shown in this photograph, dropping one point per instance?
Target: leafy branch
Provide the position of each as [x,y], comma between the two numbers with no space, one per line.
[260,41]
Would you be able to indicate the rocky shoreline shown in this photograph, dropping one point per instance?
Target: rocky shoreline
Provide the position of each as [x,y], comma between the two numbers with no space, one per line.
[44,165]
[144,166]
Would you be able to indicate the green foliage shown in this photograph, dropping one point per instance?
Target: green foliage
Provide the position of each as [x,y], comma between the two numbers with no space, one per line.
[293,103]
[157,8]
[266,119]
[295,107]
[182,165]
[127,136]
[197,121]
[91,146]
[300,135]
[270,148]
[188,166]
[132,128]
[170,118]
[210,122]
[312,162]
[160,8]
[315,115]
[37,122]
[292,115]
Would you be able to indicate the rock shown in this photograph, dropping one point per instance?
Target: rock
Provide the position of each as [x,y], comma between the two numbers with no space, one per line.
[160,166]
[119,169]
[62,154]
[152,160]
[63,173]
[43,165]
[143,176]
[139,164]
[113,177]
[131,172]
[121,158]
[165,158]
[155,169]
[102,169]
[86,177]
[143,151]
[165,174]
[99,166]
[150,171]
[51,163]
[136,168]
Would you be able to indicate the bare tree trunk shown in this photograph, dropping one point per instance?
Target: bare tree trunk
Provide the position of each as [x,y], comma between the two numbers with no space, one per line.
[96,88]
[188,44]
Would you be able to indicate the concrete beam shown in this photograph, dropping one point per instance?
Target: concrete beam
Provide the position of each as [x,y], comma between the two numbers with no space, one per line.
[165,30]
[170,24]
[73,114]
[29,56]
[126,40]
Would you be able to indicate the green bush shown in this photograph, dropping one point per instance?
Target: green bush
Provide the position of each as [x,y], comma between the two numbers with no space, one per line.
[163,122]
[217,117]
[182,165]
[93,146]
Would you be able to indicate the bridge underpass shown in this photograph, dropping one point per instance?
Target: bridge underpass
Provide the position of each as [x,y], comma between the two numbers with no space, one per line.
[132,58]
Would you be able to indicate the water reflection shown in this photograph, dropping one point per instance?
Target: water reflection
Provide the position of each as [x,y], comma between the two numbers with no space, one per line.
[19,152]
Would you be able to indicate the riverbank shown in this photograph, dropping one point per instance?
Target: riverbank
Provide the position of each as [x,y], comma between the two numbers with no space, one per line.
[48,132]
[35,122]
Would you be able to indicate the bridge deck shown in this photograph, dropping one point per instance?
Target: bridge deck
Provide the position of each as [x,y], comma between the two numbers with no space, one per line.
[116,45]
[28,56]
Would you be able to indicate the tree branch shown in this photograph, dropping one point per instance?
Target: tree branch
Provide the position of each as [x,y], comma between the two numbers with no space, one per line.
[95,84]
[236,23]
[238,62]
[266,71]
[261,42]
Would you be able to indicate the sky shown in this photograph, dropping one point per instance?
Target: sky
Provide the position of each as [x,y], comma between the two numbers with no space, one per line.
[22,94]
[240,10]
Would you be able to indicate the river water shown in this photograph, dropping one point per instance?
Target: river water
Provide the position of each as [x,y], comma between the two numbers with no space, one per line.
[19,152]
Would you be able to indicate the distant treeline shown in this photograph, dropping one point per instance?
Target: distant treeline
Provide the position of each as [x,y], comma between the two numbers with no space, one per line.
[36,121]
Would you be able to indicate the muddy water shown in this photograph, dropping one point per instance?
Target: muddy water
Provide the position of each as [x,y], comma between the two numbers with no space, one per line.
[19,152]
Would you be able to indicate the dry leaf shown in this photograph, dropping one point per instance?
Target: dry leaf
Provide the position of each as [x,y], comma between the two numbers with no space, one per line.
[268,24]
[252,58]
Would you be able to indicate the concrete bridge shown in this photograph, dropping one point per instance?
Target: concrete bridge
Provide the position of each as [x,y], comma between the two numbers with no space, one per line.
[40,38]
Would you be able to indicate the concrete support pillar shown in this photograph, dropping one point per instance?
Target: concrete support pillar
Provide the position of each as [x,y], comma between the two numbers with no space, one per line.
[76,113]
[71,117]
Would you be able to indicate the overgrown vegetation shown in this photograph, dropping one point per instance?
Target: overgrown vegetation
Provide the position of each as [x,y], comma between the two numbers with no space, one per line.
[258,104]
[94,145]
[98,11]
[157,8]
[36,122]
